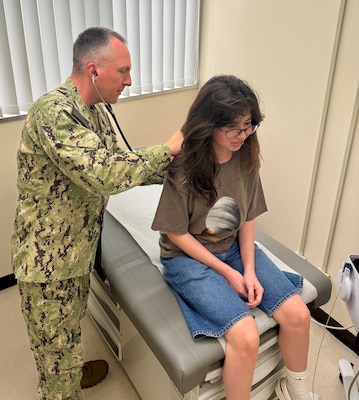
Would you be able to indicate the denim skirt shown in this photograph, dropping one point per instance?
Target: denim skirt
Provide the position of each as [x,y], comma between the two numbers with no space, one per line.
[210,305]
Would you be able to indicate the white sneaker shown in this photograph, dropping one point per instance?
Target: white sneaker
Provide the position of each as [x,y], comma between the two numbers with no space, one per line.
[282,391]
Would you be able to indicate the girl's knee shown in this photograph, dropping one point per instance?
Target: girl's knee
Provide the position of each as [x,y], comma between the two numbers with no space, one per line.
[294,312]
[244,336]
[304,318]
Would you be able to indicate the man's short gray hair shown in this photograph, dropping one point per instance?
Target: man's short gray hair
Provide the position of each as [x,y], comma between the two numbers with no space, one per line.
[90,44]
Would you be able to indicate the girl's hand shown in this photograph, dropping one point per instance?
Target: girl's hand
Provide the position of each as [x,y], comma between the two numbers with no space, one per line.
[254,290]
[236,281]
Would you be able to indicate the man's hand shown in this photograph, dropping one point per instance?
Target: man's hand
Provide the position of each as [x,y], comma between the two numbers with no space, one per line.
[175,143]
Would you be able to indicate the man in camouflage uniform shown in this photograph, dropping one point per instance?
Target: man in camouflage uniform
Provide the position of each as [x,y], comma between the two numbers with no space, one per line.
[68,163]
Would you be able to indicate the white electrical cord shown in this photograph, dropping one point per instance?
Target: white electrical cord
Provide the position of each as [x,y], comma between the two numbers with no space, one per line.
[321,343]
[352,384]
[336,328]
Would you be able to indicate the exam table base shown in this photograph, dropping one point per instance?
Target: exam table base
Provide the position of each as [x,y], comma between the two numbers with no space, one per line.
[147,374]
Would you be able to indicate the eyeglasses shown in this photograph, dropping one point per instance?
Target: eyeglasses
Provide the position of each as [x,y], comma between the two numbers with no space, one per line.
[234,132]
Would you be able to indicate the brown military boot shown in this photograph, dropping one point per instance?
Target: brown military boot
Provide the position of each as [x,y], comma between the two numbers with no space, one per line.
[93,372]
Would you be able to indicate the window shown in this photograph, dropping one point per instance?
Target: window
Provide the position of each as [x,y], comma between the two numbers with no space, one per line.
[36,38]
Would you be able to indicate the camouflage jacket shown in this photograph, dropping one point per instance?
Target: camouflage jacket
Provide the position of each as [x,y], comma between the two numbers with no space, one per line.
[68,163]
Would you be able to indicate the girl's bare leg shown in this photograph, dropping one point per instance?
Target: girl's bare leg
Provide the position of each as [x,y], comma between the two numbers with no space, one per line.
[242,342]
[293,317]
[294,323]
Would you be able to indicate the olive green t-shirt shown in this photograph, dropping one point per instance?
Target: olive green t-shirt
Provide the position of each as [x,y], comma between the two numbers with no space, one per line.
[240,198]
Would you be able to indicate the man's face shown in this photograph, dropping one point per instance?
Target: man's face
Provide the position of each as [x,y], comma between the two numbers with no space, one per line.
[114,73]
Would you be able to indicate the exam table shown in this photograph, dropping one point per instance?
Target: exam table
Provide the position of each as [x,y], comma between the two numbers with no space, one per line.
[140,319]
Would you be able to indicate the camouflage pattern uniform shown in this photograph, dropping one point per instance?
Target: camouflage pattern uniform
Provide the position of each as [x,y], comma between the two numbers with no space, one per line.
[68,163]
[52,312]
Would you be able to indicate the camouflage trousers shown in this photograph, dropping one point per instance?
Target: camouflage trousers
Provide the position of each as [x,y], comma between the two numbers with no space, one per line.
[52,313]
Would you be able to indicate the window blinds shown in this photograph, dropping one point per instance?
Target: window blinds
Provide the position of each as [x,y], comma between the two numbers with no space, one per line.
[36,38]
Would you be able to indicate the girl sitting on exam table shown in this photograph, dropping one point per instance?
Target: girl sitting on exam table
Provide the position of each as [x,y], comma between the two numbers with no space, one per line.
[206,216]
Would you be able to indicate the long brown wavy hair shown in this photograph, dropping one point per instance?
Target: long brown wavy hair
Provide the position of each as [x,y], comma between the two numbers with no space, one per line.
[219,102]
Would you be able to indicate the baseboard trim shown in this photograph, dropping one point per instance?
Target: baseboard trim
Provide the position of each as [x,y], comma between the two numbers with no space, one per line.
[7,281]
[345,336]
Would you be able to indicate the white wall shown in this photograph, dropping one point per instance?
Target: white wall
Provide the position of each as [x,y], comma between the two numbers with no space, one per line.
[10,134]
[306,74]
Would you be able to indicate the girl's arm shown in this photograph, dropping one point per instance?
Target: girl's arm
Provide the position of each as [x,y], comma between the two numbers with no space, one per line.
[246,237]
[193,248]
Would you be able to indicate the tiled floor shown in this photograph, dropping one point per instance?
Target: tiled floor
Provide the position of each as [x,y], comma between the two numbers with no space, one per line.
[18,375]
